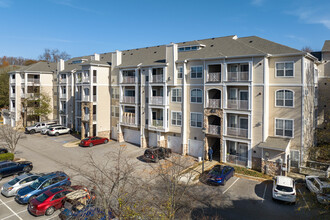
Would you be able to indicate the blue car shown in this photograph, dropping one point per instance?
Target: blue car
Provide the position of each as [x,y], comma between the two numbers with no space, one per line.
[88,212]
[42,184]
[8,168]
[220,174]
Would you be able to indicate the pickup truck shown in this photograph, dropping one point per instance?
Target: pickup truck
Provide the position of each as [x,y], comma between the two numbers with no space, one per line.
[37,127]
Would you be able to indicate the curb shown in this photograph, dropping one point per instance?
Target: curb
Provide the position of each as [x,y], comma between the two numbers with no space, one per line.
[72,144]
[260,179]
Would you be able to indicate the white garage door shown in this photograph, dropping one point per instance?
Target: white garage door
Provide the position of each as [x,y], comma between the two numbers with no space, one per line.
[132,136]
[195,148]
[152,139]
[175,144]
[114,134]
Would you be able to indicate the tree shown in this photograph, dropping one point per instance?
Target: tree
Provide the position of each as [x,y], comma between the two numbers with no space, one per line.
[37,106]
[4,85]
[54,55]
[10,136]
[307,49]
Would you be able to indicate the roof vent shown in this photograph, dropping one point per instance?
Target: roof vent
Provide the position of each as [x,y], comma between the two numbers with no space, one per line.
[155,52]
[124,53]
[131,53]
[212,38]
[250,41]
[235,37]
[211,45]
[158,46]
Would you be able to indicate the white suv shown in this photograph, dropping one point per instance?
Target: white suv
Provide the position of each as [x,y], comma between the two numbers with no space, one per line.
[284,189]
[319,186]
[45,130]
[59,130]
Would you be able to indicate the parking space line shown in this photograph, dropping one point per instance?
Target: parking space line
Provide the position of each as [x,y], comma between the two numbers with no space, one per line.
[13,214]
[304,199]
[230,186]
[263,196]
[11,210]
[51,217]
[7,202]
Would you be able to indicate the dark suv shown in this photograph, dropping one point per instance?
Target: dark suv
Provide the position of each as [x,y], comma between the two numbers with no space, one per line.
[156,153]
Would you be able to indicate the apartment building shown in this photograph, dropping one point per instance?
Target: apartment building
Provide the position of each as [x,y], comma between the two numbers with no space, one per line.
[249,99]
[27,83]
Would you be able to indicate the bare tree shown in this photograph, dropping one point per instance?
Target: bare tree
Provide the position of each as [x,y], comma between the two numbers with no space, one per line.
[54,55]
[10,136]
[307,49]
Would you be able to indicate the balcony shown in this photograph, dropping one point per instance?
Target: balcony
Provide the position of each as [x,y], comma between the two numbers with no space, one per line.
[62,96]
[86,98]
[128,79]
[157,100]
[83,80]
[94,79]
[12,95]
[63,112]
[238,160]
[157,78]
[94,98]
[63,80]
[22,95]
[213,103]
[32,95]
[129,99]
[33,80]
[157,123]
[238,76]
[238,132]
[128,118]
[214,129]
[238,104]
[213,77]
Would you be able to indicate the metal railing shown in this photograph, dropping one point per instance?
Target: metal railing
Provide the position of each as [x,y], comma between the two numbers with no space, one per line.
[12,95]
[128,79]
[238,132]
[157,78]
[63,80]
[22,95]
[129,120]
[156,100]
[213,103]
[94,98]
[214,77]
[214,129]
[157,123]
[94,79]
[86,98]
[94,117]
[129,99]
[62,96]
[238,160]
[33,80]
[62,112]
[238,104]
[238,76]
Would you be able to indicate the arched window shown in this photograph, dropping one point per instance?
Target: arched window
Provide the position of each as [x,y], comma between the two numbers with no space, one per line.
[196,96]
[284,98]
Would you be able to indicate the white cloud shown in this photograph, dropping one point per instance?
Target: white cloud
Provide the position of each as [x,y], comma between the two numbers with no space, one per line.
[257,2]
[313,15]
[4,3]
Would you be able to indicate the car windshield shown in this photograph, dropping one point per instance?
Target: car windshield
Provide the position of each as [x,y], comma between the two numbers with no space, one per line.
[86,139]
[13,181]
[284,188]
[37,183]
[216,170]
[42,197]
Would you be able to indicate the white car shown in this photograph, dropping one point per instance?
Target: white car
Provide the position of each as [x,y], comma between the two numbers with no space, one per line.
[319,186]
[45,130]
[284,189]
[59,130]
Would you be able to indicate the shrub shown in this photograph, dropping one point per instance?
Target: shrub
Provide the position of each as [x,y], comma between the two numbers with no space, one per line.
[6,156]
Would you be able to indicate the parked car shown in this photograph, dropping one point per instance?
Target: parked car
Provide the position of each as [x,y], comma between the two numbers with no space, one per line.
[37,127]
[59,130]
[220,174]
[42,184]
[50,201]
[319,186]
[284,189]
[3,150]
[156,153]
[91,141]
[88,212]
[8,168]
[10,188]
[46,129]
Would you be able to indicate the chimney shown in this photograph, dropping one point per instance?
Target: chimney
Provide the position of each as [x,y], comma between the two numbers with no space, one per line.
[61,65]
[96,57]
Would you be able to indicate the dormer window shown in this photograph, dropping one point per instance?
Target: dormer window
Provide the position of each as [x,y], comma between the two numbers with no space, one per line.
[78,61]
[191,47]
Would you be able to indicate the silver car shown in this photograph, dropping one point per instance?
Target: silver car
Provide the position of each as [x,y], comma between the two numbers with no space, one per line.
[45,130]
[10,188]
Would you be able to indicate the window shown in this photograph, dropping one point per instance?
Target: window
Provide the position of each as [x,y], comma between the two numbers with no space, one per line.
[130,92]
[176,95]
[180,72]
[115,112]
[196,96]
[196,120]
[115,93]
[196,72]
[284,69]
[177,118]
[189,48]
[284,98]
[284,127]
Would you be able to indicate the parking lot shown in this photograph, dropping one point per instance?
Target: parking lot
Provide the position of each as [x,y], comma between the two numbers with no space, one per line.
[241,198]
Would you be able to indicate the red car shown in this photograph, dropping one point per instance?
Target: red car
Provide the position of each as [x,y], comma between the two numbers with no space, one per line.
[91,141]
[51,200]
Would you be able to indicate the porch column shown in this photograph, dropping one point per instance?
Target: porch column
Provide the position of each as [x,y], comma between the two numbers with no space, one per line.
[224,150]
[249,165]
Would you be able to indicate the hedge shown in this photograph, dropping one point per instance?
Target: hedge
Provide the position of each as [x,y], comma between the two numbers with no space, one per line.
[6,156]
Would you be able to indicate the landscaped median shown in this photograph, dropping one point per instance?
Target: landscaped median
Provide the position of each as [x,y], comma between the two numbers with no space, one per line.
[72,144]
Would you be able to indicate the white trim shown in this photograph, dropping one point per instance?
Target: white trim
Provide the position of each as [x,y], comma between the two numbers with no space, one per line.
[176,96]
[197,113]
[176,119]
[284,76]
[303,81]
[196,97]
[284,106]
[284,119]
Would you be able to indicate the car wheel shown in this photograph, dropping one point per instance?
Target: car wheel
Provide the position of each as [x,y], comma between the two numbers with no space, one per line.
[56,134]
[50,211]
[106,141]
[32,198]
[27,169]
[91,145]
[32,131]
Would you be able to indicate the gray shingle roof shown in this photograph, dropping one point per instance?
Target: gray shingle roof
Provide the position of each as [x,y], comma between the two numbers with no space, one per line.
[41,66]
[326,46]
[275,143]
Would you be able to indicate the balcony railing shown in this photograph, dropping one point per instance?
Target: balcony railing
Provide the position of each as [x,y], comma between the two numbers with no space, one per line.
[129,99]
[62,96]
[94,117]
[238,132]
[128,79]
[94,79]
[62,112]
[83,79]
[214,77]
[94,98]
[214,129]
[86,117]
[33,80]
[238,160]
[32,95]
[128,119]
[213,103]
[63,80]
[12,95]
[12,80]
[238,76]
[157,123]
[238,104]
[157,78]
[156,100]
[86,98]
[22,95]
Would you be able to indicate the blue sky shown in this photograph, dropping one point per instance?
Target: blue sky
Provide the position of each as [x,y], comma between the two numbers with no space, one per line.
[82,27]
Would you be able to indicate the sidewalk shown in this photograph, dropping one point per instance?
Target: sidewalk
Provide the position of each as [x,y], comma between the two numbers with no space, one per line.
[191,174]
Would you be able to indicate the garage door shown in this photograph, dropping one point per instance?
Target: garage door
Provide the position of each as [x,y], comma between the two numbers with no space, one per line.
[132,136]
[195,148]
[152,139]
[114,134]
[175,144]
